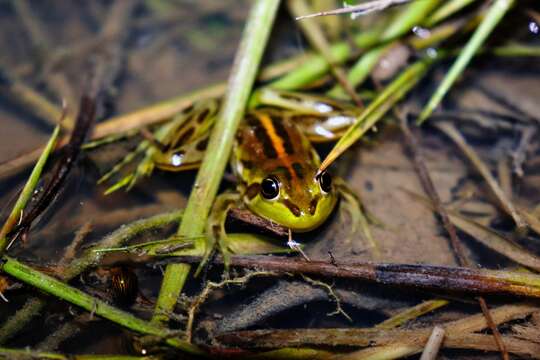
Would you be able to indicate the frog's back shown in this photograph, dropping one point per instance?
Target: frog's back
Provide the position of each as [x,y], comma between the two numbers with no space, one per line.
[267,143]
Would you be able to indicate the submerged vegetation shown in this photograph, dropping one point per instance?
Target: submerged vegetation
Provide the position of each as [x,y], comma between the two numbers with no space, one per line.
[412,105]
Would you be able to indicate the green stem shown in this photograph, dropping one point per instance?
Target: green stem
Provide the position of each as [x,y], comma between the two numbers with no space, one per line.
[446,10]
[405,20]
[27,191]
[317,66]
[99,307]
[248,58]
[492,18]
[31,354]
[387,98]
[91,257]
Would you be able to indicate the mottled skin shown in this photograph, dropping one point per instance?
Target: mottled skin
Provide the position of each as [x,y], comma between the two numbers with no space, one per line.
[270,146]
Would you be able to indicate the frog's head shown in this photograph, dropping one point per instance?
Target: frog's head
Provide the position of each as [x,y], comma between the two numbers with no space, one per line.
[294,197]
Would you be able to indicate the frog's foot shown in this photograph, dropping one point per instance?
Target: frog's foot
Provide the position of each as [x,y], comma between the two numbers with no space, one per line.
[352,204]
[215,230]
[295,246]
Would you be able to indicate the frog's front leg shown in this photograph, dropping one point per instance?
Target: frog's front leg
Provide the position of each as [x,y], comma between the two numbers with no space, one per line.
[215,228]
[351,203]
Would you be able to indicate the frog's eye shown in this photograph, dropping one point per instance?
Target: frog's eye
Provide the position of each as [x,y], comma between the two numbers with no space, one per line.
[270,188]
[325,182]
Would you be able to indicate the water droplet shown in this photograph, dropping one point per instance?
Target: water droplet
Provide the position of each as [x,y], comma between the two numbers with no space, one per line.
[176,159]
[534,28]
[431,52]
[322,107]
[421,32]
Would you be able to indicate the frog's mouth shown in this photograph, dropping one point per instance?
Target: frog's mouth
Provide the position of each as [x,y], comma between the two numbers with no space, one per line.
[288,214]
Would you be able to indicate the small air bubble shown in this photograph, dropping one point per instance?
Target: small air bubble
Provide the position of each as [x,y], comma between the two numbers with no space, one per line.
[421,32]
[176,159]
[431,52]
[323,108]
[533,27]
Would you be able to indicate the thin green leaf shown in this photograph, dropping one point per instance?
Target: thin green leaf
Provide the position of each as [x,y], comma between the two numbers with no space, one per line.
[28,190]
[379,107]
[492,18]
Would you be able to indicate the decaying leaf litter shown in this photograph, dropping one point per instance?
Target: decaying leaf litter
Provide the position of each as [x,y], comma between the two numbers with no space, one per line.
[491,106]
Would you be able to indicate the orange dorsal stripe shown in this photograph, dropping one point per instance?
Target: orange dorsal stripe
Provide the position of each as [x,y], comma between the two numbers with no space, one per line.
[277,142]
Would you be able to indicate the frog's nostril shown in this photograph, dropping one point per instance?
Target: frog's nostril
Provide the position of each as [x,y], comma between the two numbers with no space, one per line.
[313,206]
[292,207]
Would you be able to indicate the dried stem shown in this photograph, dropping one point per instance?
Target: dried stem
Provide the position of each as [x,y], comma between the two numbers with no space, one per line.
[421,276]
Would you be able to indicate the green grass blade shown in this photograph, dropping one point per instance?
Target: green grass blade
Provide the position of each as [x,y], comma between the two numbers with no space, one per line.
[379,107]
[248,58]
[446,10]
[99,307]
[492,18]
[400,25]
[28,190]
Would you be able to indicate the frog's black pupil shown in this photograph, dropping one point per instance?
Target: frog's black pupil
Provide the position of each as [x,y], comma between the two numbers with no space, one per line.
[325,180]
[269,188]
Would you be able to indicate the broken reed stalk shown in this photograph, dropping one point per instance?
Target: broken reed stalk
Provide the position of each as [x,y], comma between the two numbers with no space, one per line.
[241,80]
[433,344]
[90,258]
[455,279]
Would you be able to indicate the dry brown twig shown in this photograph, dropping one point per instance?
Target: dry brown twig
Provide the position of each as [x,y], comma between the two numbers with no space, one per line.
[449,130]
[209,288]
[429,187]
[358,10]
[316,37]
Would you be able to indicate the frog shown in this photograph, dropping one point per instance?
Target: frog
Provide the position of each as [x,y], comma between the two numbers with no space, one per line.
[273,159]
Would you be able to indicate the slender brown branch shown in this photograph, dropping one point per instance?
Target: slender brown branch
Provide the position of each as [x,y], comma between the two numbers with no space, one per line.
[429,188]
[412,275]
[361,9]
[496,334]
[317,39]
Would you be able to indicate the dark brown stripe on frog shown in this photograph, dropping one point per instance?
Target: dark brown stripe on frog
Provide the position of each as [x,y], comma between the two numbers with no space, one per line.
[247,164]
[313,205]
[185,136]
[292,207]
[202,115]
[262,136]
[298,170]
[284,135]
[202,144]
[252,190]
[278,146]
[285,171]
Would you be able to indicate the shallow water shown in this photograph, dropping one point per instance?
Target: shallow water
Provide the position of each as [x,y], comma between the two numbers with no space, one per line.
[175,47]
